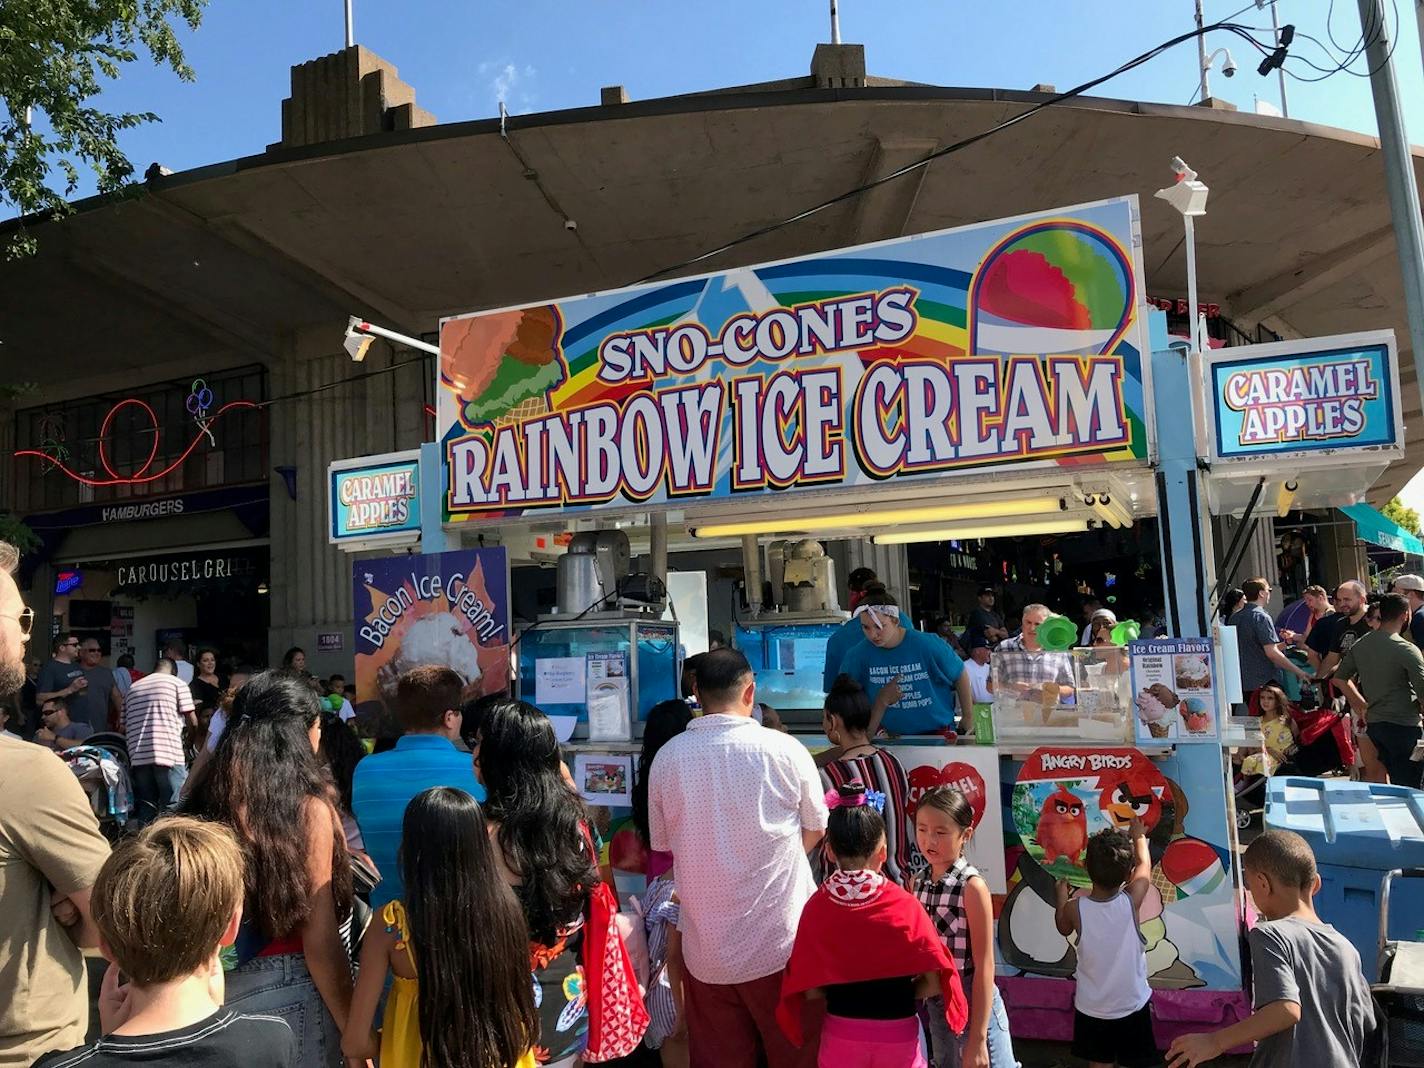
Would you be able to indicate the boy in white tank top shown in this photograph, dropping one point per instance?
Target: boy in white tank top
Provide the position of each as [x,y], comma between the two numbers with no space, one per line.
[1112,1011]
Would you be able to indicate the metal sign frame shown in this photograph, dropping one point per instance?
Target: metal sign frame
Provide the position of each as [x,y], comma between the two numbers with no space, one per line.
[1291,455]
[360,543]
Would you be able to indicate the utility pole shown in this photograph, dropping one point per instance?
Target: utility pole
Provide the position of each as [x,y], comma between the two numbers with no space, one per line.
[1398,175]
[1202,64]
[1281,70]
[835,22]
[350,29]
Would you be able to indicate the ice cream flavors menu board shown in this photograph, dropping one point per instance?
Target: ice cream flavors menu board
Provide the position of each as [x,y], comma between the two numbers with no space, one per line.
[447,609]
[1174,690]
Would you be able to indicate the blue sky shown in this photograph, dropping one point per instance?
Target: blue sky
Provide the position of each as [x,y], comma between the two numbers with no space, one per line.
[462,56]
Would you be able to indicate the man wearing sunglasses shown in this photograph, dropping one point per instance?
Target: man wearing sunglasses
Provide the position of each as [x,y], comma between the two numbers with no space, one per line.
[61,675]
[50,853]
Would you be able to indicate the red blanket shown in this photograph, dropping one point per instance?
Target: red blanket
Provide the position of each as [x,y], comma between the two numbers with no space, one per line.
[857,930]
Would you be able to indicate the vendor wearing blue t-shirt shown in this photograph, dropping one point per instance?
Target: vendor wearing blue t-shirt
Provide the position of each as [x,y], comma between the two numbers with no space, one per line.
[847,637]
[923,679]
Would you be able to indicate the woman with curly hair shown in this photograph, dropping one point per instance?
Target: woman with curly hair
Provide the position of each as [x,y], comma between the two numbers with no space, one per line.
[540,828]
[265,784]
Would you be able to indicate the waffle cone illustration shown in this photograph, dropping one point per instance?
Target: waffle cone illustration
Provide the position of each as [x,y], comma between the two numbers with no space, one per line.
[503,365]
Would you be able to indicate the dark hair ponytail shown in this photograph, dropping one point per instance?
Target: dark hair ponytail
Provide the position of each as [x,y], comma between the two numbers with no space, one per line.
[856,827]
[848,701]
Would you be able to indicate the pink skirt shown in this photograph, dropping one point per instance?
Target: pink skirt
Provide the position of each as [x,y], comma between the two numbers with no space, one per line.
[847,1043]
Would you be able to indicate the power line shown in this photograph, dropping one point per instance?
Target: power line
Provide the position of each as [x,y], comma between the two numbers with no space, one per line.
[957,146]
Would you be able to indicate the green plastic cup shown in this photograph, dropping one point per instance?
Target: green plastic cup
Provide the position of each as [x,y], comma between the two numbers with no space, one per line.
[1129,630]
[1057,633]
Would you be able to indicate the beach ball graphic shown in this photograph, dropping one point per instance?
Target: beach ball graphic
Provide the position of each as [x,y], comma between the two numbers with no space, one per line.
[1061,286]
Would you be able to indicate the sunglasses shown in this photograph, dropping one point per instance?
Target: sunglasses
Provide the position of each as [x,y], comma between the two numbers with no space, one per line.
[26,619]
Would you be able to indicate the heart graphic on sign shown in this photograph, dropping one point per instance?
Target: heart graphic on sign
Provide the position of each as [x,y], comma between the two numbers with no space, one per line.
[963,777]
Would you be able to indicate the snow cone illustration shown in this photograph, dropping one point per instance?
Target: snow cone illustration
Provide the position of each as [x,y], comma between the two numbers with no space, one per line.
[503,365]
[1055,286]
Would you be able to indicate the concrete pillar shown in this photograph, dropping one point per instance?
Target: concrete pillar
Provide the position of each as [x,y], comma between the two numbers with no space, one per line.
[889,562]
[311,579]
[1260,558]
[839,66]
[1342,556]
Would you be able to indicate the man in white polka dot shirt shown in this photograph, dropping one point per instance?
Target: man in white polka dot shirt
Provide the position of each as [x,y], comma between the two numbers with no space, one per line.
[738,806]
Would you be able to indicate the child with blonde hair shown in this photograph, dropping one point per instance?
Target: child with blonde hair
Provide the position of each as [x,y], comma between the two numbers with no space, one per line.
[166,902]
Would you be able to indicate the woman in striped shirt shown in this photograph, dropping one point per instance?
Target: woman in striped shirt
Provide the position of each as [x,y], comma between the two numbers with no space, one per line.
[846,721]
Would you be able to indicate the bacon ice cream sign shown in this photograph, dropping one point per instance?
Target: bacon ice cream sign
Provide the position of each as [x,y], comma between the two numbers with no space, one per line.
[1305,396]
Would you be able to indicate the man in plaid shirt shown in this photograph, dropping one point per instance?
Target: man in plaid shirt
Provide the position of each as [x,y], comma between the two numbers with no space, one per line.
[1028,666]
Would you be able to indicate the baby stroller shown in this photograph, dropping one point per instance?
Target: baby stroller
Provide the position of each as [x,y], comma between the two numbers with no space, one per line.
[1399,994]
[1325,735]
[102,766]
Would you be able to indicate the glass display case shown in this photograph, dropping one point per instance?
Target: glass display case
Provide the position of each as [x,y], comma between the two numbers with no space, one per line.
[789,660]
[649,648]
[1080,695]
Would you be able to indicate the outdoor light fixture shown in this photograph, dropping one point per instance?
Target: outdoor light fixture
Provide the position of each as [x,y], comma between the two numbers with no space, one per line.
[1188,196]
[1007,529]
[356,342]
[360,334]
[968,510]
[1285,497]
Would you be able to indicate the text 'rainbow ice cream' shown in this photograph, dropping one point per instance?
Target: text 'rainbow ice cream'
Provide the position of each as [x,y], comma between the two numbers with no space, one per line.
[898,413]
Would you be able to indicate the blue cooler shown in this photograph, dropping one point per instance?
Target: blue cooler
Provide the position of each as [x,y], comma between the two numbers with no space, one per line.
[1358,831]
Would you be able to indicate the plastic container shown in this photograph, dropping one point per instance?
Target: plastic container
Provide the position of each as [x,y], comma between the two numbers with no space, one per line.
[1034,713]
[1358,831]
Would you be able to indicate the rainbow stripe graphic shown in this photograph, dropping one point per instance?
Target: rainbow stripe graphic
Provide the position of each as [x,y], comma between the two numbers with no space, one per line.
[1057,285]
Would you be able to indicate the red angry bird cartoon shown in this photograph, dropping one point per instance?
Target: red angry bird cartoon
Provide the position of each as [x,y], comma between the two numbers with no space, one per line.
[1062,827]
[1132,794]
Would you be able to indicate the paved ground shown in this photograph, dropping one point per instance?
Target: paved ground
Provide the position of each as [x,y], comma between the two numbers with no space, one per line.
[1030,1054]
[1056,1055]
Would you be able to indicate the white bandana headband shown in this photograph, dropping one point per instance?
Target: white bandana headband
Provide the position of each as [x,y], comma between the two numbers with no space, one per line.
[880,614]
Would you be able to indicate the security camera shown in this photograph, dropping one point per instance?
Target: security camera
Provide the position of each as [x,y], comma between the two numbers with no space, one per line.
[1229,67]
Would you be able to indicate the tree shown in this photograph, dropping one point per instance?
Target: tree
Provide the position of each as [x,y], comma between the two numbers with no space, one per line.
[14,530]
[1397,512]
[53,54]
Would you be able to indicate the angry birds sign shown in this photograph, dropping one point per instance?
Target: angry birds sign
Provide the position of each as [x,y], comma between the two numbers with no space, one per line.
[1065,795]
[1061,798]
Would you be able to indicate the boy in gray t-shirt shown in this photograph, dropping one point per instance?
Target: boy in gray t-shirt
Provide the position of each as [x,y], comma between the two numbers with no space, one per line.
[1312,1002]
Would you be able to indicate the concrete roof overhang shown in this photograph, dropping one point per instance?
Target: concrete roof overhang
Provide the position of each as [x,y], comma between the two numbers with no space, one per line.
[230,260]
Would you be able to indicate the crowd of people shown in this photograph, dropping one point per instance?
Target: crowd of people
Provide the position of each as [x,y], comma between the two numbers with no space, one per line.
[1333,673]
[442,902]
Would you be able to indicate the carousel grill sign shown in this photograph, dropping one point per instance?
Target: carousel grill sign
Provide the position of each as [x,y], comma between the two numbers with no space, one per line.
[1014,343]
[197,567]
